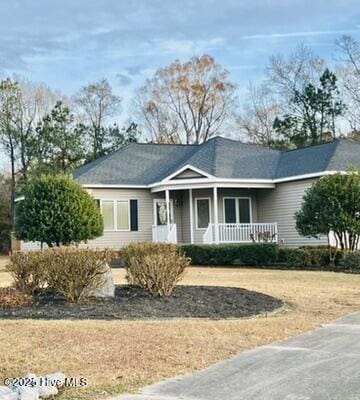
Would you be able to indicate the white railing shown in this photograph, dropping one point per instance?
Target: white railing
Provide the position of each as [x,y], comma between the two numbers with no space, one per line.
[208,235]
[172,237]
[162,233]
[242,233]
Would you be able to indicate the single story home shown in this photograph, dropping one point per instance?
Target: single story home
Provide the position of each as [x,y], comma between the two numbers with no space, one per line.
[222,191]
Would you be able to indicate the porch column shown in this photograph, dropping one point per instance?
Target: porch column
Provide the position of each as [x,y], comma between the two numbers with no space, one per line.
[216,216]
[191,216]
[167,199]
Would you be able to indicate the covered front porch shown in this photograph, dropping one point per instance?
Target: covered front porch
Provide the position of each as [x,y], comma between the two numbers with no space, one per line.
[211,215]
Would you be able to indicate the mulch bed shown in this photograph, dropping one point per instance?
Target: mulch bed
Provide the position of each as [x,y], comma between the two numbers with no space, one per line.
[131,303]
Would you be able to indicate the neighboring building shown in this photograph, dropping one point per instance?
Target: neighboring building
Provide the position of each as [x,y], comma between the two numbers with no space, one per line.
[222,191]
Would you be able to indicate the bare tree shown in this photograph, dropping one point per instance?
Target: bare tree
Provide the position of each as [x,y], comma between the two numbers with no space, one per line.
[186,102]
[289,75]
[257,116]
[155,118]
[349,74]
[22,105]
[9,108]
[34,102]
[97,103]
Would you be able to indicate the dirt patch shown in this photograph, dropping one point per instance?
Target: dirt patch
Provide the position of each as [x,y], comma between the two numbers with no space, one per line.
[130,302]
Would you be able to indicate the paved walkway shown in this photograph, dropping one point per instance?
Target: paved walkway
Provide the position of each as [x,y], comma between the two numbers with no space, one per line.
[320,365]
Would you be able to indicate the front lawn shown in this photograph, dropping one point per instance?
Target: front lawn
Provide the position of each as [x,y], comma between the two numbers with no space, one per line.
[124,355]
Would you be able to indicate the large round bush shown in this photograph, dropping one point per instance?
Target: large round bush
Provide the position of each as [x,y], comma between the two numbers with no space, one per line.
[332,205]
[57,211]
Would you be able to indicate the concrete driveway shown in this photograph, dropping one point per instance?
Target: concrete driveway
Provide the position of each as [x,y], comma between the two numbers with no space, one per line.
[320,365]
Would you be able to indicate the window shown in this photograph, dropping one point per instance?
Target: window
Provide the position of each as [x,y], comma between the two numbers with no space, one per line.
[230,211]
[244,211]
[116,215]
[202,213]
[237,210]
[123,215]
[107,208]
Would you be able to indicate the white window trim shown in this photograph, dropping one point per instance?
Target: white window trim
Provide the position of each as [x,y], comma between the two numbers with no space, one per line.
[196,212]
[171,210]
[237,198]
[115,214]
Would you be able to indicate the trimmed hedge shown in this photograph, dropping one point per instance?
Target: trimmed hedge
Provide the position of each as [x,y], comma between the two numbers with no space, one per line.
[351,262]
[266,255]
[232,254]
[307,257]
[155,267]
[69,271]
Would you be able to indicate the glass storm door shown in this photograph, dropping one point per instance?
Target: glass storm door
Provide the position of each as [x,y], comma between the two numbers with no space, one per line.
[160,212]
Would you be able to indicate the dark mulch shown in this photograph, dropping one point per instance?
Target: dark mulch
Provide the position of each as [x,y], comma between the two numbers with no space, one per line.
[134,303]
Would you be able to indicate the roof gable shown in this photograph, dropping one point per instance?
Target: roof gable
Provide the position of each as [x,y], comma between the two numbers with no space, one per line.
[188,173]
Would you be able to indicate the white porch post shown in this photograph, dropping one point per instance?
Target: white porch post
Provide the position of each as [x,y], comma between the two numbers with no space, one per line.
[191,216]
[167,199]
[216,216]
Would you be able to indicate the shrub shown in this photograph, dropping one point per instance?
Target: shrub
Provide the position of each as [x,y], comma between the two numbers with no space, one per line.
[71,272]
[10,297]
[351,261]
[332,204]
[232,254]
[74,272]
[56,210]
[28,271]
[155,267]
[307,257]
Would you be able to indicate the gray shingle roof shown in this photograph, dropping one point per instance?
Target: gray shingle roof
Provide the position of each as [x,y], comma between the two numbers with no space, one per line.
[143,164]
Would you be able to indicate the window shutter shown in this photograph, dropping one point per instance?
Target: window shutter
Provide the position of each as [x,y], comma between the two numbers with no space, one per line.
[134,224]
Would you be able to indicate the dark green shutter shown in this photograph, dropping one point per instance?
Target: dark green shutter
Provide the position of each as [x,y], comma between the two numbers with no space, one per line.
[134,223]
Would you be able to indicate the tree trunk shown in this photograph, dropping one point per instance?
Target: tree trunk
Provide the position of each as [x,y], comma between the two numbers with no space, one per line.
[332,253]
[12,186]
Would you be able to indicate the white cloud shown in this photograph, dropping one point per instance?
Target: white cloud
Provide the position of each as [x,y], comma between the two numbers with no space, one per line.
[178,46]
[298,34]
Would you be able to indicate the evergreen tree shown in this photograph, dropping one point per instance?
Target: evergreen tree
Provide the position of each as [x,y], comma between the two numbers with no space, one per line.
[60,142]
[314,112]
[57,211]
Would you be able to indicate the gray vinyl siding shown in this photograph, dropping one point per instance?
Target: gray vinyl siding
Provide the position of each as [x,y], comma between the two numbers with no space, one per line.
[117,239]
[279,205]
[268,205]
[185,220]
[145,216]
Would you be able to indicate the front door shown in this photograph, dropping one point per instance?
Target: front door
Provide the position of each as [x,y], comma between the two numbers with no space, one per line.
[160,212]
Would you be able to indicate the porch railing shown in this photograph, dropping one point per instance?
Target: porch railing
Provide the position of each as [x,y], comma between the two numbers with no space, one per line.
[242,233]
[209,234]
[162,233]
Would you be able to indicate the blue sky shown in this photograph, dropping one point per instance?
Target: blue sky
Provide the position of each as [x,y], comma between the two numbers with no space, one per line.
[69,43]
